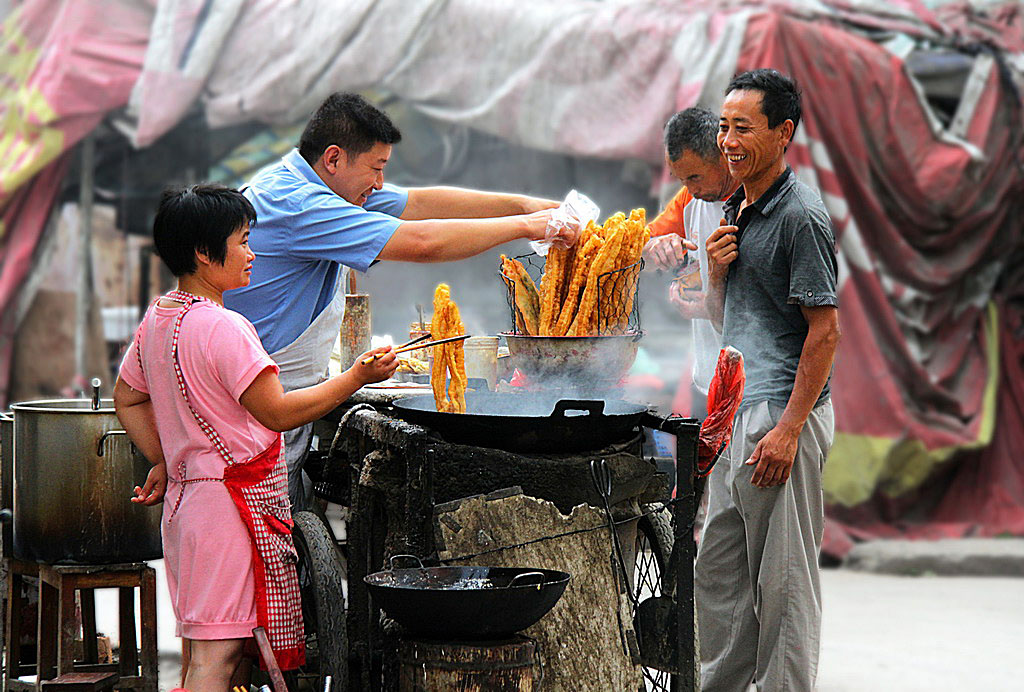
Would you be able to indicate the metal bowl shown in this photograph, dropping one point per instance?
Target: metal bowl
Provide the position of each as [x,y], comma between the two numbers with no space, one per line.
[587,362]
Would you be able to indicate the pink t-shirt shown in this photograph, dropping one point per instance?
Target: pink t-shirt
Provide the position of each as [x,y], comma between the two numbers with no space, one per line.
[207,549]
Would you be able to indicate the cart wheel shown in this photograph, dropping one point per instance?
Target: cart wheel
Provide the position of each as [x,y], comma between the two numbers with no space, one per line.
[322,576]
[654,537]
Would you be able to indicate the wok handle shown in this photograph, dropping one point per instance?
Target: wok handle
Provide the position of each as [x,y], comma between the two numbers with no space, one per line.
[525,575]
[391,561]
[592,407]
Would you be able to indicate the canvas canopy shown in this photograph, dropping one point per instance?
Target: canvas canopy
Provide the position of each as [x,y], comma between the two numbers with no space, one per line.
[928,387]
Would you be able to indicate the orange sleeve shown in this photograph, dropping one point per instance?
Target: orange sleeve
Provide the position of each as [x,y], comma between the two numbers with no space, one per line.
[670,220]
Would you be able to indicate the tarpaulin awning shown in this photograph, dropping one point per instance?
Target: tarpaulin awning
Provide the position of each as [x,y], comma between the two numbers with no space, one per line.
[927,212]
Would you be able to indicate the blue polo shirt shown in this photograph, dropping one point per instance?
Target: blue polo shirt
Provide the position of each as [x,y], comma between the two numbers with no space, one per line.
[303,233]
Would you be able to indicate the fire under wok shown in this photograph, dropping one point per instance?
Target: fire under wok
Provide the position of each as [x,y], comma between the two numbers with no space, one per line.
[467,603]
[527,422]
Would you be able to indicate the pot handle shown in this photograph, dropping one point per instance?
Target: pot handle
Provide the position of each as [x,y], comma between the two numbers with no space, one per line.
[391,561]
[526,575]
[103,438]
[591,406]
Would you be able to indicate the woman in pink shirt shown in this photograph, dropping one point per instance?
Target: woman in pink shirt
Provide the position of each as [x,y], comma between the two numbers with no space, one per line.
[201,399]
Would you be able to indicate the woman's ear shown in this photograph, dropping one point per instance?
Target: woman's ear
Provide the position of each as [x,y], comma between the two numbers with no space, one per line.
[203,258]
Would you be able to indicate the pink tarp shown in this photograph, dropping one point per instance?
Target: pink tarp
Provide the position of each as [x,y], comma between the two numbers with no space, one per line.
[927,382]
[63,67]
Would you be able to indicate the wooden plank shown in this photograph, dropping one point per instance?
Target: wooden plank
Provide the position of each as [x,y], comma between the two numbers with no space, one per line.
[67,625]
[126,618]
[147,626]
[90,647]
[15,604]
[46,644]
[81,682]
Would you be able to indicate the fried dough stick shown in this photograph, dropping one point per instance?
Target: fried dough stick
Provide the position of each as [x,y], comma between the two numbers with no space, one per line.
[438,330]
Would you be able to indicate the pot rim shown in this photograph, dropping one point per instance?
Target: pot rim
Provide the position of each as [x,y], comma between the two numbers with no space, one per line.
[630,336]
[47,406]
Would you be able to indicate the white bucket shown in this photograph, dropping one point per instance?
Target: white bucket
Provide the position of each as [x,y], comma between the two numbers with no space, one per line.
[482,359]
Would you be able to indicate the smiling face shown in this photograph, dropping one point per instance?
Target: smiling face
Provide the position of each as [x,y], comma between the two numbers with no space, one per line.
[354,178]
[237,267]
[753,151]
[707,180]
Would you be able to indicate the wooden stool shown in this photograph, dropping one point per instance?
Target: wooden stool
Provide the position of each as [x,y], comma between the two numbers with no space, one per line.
[430,666]
[137,668]
[14,668]
[81,682]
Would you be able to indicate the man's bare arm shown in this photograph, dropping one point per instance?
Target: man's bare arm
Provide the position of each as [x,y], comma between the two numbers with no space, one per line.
[444,240]
[460,203]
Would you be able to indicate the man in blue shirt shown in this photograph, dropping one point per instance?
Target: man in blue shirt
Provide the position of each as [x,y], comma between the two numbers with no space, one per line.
[324,208]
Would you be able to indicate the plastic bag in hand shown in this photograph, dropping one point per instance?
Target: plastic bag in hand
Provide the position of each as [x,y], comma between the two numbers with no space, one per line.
[574,212]
[724,397]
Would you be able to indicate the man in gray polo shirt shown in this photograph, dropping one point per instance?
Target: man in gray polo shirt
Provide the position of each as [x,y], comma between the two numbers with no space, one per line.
[773,292]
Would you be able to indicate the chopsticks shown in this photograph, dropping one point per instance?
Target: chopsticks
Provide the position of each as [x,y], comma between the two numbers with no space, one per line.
[410,347]
[410,342]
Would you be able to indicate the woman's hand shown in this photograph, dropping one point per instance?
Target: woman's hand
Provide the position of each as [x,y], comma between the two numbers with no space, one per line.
[152,493]
[379,369]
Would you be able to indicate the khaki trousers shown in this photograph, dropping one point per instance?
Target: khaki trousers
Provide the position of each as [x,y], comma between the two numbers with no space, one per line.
[757,587]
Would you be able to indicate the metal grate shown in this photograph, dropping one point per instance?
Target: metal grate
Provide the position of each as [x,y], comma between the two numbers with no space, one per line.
[616,288]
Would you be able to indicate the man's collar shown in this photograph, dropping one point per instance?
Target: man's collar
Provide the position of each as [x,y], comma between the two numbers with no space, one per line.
[766,202]
[294,159]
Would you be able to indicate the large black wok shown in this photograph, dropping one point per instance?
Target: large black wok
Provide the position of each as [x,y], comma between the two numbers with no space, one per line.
[466,603]
[527,422]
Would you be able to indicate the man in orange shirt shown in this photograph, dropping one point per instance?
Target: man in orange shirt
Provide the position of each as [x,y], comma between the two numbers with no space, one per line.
[679,233]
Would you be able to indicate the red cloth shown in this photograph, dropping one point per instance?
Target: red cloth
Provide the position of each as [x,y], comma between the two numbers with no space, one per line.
[724,397]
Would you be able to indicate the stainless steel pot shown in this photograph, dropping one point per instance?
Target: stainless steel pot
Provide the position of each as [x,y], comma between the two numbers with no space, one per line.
[74,470]
[567,362]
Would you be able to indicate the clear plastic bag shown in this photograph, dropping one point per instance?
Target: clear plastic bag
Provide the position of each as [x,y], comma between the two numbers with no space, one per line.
[574,212]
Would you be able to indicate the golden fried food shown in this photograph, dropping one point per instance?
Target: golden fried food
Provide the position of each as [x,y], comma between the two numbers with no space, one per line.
[449,361]
[527,299]
[583,290]
[408,364]
[586,319]
[553,287]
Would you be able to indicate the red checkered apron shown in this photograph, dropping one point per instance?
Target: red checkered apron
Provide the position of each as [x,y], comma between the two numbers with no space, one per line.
[259,489]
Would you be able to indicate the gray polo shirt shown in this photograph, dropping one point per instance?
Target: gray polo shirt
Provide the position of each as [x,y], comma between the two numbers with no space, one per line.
[787,259]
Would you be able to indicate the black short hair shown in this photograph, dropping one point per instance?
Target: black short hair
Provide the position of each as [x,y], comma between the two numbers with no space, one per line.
[780,96]
[199,218]
[348,121]
[694,129]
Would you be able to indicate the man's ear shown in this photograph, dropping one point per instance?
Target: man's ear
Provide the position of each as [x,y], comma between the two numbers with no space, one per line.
[786,130]
[333,158]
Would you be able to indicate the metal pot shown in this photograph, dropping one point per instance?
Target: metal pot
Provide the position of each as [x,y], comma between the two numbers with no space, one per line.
[585,363]
[466,602]
[74,470]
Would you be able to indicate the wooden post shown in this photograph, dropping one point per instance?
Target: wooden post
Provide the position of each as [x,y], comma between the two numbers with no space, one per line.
[85,296]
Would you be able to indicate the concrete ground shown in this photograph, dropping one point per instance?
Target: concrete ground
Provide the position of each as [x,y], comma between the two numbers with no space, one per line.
[880,633]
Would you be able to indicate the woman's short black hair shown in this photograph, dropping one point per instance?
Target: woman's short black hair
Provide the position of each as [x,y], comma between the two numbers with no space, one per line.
[199,218]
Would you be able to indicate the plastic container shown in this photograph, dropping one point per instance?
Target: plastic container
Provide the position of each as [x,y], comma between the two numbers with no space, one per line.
[482,359]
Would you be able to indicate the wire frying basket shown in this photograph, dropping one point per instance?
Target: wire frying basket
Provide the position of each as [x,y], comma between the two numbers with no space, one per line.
[615,305]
